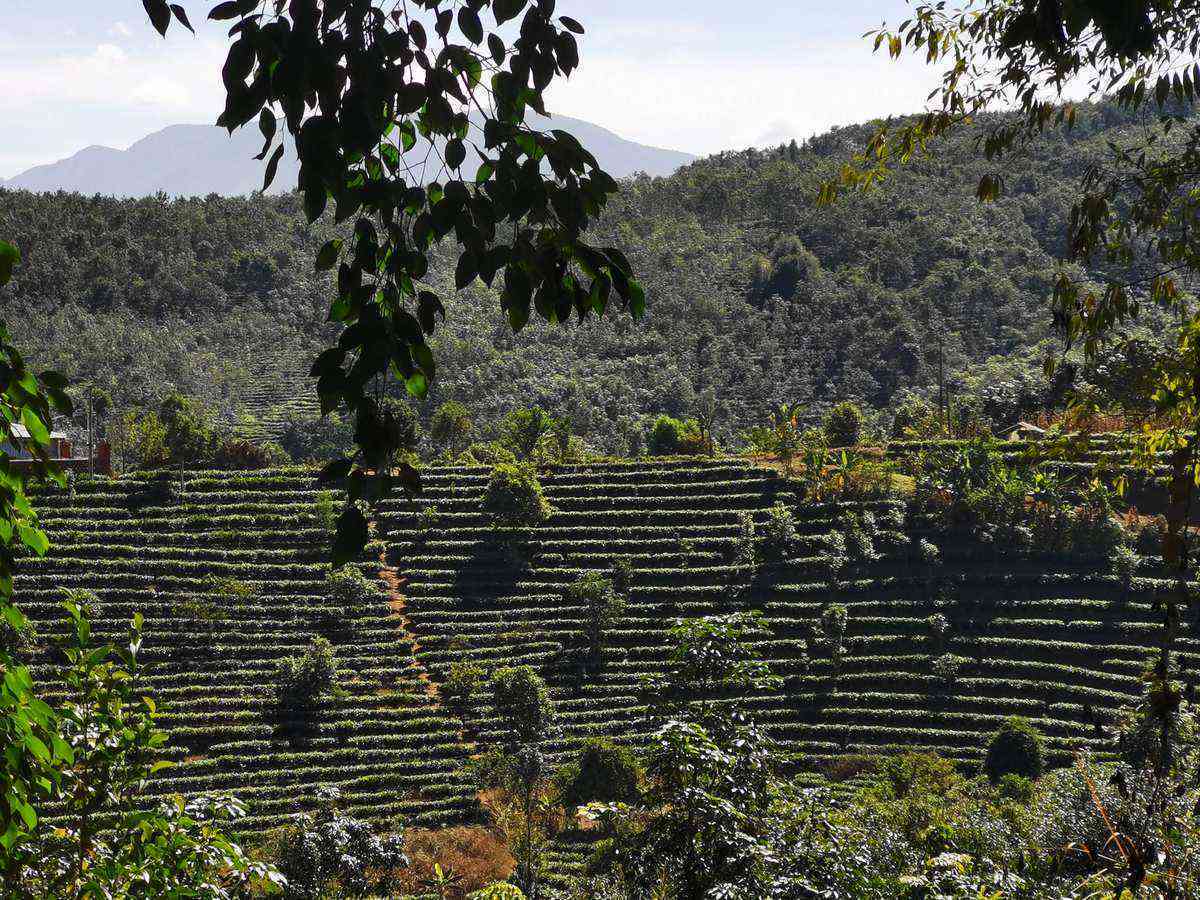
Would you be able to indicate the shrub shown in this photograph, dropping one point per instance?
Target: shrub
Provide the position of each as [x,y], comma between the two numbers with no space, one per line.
[302,680]
[87,601]
[927,553]
[450,427]
[523,430]
[328,848]
[514,497]
[947,666]
[859,543]
[238,454]
[778,533]
[603,772]
[1125,563]
[427,518]
[844,425]
[458,690]
[522,704]
[324,511]
[669,437]
[834,618]
[622,576]
[939,627]
[188,431]
[16,639]
[1015,748]
[744,549]
[139,440]
[351,591]
[489,454]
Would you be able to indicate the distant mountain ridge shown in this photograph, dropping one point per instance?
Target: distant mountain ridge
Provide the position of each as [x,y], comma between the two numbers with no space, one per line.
[198,160]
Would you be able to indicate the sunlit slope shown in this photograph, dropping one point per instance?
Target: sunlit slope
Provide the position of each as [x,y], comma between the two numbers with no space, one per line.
[232,579]
[210,655]
[1056,640]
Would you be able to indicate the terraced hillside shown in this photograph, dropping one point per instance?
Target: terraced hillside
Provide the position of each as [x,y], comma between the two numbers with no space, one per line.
[231,579]
[1051,639]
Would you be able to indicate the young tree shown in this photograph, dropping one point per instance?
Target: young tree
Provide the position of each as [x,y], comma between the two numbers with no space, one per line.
[1015,749]
[526,716]
[187,431]
[27,725]
[328,853]
[602,607]
[95,756]
[844,425]
[458,690]
[523,430]
[602,772]
[523,705]
[413,124]
[699,829]
[303,680]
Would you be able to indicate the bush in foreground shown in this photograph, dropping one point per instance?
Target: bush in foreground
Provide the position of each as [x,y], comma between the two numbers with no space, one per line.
[1015,749]
[603,771]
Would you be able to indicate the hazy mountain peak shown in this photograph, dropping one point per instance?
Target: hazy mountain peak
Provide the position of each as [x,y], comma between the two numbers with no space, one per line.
[197,160]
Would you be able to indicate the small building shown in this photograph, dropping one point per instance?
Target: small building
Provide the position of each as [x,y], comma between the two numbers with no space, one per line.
[60,444]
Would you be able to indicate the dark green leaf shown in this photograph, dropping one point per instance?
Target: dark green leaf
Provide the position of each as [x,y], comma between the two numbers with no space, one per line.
[468,22]
[159,13]
[267,124]
[456,153]
[272,167]
[9,257]
[335,471]
[467,269]
[351,536]
[232,9]
[571,24]
[504,10]
[181,15]
[497,48]
[429,307]
[328,256]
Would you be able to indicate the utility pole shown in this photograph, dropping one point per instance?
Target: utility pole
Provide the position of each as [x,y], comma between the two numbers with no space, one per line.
[91,445]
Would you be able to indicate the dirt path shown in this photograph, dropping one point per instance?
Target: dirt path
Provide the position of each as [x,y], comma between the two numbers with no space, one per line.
[397,603]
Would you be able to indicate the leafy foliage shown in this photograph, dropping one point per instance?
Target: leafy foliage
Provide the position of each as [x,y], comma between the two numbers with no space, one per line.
[354,87]
[303,680]
[844,425]
[327,853]
[602,606]
[99,752]
[514,498]
[601,772]
[1015,749]
[523,704]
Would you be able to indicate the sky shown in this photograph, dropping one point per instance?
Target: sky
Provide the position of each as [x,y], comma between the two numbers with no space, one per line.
[694,75]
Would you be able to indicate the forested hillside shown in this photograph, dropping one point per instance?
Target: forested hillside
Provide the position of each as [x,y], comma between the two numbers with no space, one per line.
[756,295]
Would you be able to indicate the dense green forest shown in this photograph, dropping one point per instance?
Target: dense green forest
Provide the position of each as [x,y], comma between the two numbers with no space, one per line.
[757,295]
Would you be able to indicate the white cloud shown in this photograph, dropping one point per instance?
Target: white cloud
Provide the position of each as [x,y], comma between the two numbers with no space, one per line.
[705,104]
[106,94]
[121,30]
